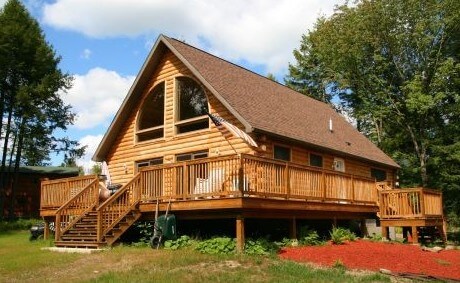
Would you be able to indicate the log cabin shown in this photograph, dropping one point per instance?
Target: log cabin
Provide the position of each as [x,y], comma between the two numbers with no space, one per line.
[288,157]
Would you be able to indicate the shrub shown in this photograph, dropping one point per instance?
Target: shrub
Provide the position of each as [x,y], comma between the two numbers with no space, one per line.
[181,242]
[340,235]
[260,246]
[19,224]
[309,237]
[218,245]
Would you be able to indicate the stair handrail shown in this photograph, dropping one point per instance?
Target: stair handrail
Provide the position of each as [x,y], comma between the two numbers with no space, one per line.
[75,208]
[115,208]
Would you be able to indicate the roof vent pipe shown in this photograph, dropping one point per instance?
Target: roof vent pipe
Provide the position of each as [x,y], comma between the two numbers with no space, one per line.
[330,125]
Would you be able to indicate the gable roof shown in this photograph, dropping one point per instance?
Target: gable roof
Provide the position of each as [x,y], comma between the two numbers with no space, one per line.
[260,104]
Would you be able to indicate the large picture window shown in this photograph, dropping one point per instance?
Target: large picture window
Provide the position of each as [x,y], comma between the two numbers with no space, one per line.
[192,106]
[150,123]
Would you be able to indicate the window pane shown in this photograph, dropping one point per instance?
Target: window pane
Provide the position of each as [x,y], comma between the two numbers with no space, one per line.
[379,175]
[191,156]
[282,153]
[150,135]
[316,160]
[192,99]
[152,112]
[193,126]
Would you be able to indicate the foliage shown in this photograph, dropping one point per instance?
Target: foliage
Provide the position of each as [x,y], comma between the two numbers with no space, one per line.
[217,245]
[31,107]
[145,229]
[18,224]
[393,66]
[339,235]
[309,237]
[181,242]
[24,261]
[260,246]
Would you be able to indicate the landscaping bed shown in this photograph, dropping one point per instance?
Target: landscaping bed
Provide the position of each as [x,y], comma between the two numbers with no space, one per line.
[402,259]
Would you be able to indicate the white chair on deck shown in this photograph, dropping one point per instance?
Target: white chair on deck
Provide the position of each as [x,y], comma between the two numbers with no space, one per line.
[211,184]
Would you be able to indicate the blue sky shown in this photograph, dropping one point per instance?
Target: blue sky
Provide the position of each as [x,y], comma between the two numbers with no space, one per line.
[103,44]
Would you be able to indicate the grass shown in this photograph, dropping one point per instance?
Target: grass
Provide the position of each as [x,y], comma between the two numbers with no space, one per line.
[24,261]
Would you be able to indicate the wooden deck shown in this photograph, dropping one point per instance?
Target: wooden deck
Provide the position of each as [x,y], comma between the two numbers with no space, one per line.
[239,186]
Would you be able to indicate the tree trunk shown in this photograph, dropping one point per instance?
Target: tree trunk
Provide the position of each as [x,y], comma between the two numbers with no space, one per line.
[17,163]
[4,175]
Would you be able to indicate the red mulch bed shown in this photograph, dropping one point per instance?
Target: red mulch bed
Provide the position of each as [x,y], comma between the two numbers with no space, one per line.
[367,255]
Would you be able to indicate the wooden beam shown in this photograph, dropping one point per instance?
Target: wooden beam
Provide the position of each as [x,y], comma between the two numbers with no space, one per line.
[414,235]
[240,234]
[385,232]
[363,228]
[46,232]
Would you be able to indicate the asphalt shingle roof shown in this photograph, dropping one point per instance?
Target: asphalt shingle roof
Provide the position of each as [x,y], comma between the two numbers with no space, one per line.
[260,104]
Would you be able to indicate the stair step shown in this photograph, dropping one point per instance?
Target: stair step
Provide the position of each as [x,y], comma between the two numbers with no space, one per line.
[72,244]
[79,237]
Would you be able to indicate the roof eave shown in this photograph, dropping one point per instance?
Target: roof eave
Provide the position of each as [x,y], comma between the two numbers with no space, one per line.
[138,84]
[319,147]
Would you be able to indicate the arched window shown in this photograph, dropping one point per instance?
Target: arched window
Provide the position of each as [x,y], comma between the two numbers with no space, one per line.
[150,123]
[192,106]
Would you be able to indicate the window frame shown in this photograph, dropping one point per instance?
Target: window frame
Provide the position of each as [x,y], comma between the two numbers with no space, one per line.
[283,147]
[316,155]
[374,170]
[339,160]
[149,162]
[154,129]
[177,108]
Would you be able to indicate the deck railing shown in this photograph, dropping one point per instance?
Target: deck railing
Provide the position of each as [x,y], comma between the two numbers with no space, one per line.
[54,193]
[75,208]
[118,206]
[247,175]
[410,203]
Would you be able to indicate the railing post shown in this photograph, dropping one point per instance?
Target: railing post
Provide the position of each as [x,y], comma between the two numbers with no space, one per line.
[323,181]
[288,181]
[185,180]
[422,203]
[352,189]
[241,176]
[57,227]
[99,226]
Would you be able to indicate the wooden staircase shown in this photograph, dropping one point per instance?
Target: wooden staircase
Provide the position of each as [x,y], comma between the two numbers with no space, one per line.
[83,223]
[83,234]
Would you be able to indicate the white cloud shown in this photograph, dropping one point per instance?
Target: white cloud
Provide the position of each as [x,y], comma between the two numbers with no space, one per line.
[2,3]
[259,31]
[86,54]
[96,96]
[92,143]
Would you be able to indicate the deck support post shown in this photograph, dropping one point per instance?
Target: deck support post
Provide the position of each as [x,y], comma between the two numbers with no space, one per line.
[363,228]
[292,228]
[385,232]
[240,234]
[46,232]
[414,235]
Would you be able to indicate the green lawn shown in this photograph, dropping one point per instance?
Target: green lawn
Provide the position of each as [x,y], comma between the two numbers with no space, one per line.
[24,261]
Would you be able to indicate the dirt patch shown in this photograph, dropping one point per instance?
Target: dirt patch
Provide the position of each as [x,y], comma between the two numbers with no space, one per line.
[367,255]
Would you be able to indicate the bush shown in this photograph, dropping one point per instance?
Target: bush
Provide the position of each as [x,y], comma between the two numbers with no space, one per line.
[218,245]
[181,242]
[19,224]
[260,246]
[340,235]
[308,237]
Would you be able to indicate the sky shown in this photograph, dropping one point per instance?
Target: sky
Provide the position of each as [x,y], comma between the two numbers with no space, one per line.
[103,44]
